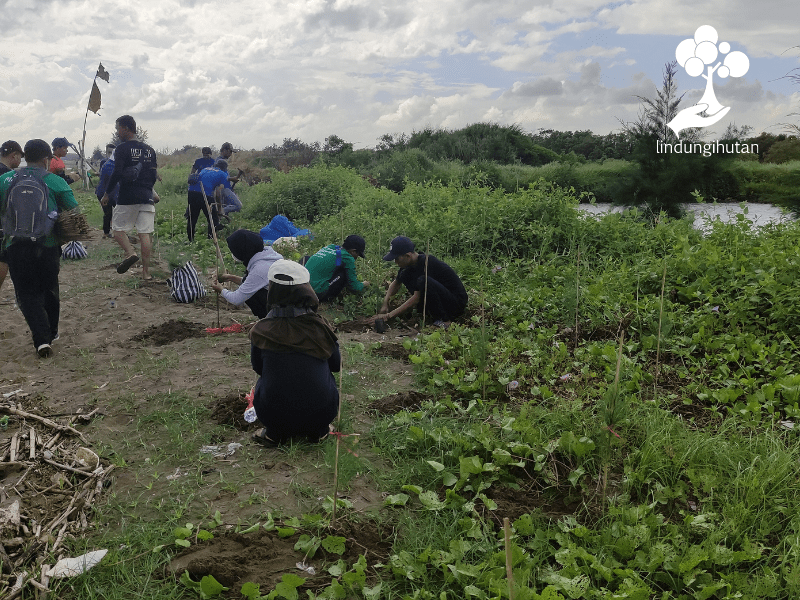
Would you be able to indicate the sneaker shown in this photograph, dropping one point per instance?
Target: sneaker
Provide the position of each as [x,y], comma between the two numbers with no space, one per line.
[44,351]
[55,337]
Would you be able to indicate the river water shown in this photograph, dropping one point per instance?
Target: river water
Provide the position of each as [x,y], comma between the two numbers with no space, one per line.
[759,214]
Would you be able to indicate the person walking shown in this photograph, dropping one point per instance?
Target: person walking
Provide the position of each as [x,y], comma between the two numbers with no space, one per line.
[333,268]
[10,158]
[108,209]
[197,204]
[135,172]
[29,199]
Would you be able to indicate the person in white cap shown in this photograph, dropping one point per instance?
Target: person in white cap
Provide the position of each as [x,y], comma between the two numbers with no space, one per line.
[295,353]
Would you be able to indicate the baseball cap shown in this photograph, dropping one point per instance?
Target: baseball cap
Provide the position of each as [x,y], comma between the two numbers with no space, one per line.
[59,142]
[9,147]
[36,150]
[355,242]
[288,272]
[399,245]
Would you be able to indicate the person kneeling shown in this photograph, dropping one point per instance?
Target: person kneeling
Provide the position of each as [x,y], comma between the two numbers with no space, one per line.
[295,353]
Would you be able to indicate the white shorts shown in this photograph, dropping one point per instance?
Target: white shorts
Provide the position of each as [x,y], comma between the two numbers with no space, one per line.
[127,216]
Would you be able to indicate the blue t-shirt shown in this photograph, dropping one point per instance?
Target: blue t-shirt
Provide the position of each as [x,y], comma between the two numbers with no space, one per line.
[199,165]
[105,175]
[211,178]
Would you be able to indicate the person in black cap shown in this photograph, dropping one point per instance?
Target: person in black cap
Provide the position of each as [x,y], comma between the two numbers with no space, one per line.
[432,283]
[11,156]
[333,268]
[248,247]
[57,166]
[34,263]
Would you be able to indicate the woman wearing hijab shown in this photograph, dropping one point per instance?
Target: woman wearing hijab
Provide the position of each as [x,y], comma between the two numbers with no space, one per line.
[295,353]
[248,247]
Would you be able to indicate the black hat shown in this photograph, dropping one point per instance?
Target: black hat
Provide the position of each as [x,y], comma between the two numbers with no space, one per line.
[36,150]
[355,242]
[60,142]
[399,246]
[226,146]
[9,147]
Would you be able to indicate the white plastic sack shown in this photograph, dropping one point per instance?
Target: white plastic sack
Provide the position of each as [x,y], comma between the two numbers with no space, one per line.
[70,567]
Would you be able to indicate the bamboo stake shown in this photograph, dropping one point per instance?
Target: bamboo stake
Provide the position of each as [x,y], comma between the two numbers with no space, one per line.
[32,452]
[577,293]
[509,561]
[660,316]
[216,245]
[338,442]
[425,296]
[13,449]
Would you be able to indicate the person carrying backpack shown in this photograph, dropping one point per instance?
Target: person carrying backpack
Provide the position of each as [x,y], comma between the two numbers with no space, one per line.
[30,200]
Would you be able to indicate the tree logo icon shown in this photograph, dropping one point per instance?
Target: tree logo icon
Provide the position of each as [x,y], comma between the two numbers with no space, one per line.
[697,55]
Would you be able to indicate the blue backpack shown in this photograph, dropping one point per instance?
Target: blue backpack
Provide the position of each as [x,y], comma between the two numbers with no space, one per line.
[27,215]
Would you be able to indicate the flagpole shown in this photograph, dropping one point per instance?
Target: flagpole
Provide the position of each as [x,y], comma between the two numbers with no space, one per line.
[84,174]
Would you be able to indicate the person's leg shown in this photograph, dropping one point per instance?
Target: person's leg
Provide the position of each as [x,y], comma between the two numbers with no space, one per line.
[3,270]
[441,303]
[108,211]
[337,283]
[194,212]
[146,242]
[121,224]
[231,202]
[51,265]
[25,269]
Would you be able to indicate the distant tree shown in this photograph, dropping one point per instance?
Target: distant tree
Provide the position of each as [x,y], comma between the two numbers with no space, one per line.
[656,113]
[97,155]
[783,151]
[734,132]
[336,145]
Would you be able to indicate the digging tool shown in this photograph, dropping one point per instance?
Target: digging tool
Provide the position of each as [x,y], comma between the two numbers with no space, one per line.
[220,260]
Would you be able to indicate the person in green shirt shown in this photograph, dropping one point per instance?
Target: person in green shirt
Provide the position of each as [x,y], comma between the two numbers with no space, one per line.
[34,265]
[333,268]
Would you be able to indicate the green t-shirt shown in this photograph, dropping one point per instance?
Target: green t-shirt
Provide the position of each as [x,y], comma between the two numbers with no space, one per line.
[61,198]
[323,263]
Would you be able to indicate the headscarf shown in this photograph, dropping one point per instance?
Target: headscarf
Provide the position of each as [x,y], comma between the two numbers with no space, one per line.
[308,333]
[245,244]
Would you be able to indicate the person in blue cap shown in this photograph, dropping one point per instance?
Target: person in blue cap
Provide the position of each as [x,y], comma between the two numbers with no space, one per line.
[433,285]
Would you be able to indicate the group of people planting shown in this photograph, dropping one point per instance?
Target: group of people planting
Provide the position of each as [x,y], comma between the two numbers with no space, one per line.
[294,350]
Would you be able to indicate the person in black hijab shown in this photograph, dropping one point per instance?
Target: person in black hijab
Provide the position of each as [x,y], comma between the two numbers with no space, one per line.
[295,353]
[248,247]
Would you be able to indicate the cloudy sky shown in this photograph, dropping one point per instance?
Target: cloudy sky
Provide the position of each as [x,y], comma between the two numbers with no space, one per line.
[254,72]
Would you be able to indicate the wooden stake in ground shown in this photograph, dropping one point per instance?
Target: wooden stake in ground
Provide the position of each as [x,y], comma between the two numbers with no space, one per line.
[660,316]
[509,560]
[425,293]
[220,260]
[577,293]
[338,442]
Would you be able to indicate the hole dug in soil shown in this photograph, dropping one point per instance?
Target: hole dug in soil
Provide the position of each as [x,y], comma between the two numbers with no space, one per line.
[230,411]
[169,332]
[263,558]
[390,405]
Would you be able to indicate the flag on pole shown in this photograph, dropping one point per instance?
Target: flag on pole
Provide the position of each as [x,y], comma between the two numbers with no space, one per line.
[94,99]
[102,73]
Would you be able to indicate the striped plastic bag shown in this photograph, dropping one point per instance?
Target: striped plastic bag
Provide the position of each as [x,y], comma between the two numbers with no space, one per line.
[185,284]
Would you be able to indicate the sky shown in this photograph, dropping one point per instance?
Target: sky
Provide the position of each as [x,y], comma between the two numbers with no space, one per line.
[195,72]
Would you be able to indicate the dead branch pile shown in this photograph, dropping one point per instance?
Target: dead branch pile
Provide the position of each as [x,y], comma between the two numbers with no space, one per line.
[72,226]
[48,484]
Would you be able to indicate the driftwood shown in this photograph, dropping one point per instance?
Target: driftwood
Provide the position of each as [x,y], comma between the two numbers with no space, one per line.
[11,410]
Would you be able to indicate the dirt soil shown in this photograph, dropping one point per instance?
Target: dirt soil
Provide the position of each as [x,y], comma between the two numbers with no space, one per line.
[163,391]
[394,403]
[262,557]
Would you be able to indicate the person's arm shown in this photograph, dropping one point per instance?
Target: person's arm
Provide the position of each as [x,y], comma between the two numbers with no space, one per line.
[223,277]
[335,360]
[352,279]
[405,306]
[102,187]
[65,199]
[120,163]
[256,360]
[394,287]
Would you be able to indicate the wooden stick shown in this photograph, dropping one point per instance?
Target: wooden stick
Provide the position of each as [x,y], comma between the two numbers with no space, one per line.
[425,296]
[32,452]
[660,315]
[577,293]
[509,561]
[52,424]
[14,444]
[66,468]
[45,581]
[338,442]
[16,589]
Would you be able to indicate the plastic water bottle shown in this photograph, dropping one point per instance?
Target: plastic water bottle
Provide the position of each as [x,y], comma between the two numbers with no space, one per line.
[250,413]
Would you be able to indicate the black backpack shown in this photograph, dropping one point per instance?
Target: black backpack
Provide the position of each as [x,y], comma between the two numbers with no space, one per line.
[27,215]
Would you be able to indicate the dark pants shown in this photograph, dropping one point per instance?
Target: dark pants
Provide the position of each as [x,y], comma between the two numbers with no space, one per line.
[197,204]
[34,271]
[441,303]
[108,210]
[337,282]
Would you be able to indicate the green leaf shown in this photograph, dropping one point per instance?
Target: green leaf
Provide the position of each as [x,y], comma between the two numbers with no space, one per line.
[372,593]
[188,582]
[337,568]
[251,529]
[183,543]
[285,532]
[396,500]
[205,535]
[470,465]
[334,544]
[307,545]
[182,533]
[250,590]
[210,587]
[437,466]
[430,500]
[414,489]
[159,548]
[449,479]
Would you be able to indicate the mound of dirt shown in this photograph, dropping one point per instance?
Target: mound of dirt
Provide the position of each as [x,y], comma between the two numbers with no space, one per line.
[389,405]
[169,332]
[356,326]
[514,503]
[230,411]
